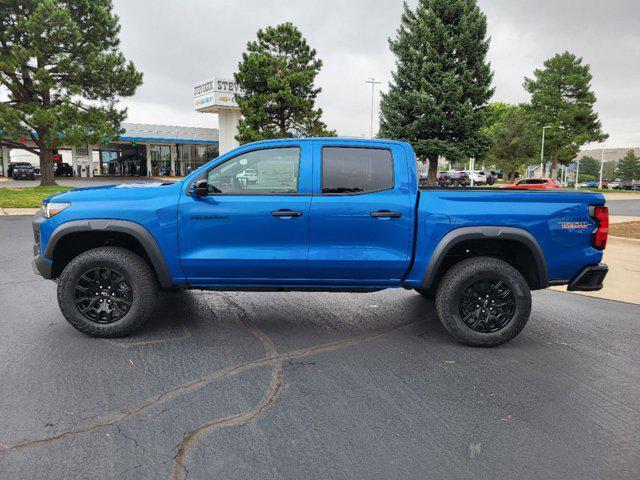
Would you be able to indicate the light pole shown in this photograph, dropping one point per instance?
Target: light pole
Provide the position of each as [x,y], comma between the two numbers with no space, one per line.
[601,168]
[373,83]
[542,151]
[575,186]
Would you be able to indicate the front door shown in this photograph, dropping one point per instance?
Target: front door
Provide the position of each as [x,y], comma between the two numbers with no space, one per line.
[361,211]
[253,226]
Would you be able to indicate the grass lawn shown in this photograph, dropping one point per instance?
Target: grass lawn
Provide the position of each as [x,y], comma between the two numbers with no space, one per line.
[27,197]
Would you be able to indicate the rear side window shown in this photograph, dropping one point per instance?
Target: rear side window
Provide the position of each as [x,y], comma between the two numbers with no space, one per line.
[356,170]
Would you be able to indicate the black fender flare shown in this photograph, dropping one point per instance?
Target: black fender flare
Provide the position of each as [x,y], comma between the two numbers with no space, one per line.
[458,235]
[136,230]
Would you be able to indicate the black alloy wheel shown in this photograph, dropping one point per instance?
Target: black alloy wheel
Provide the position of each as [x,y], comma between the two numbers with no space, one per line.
[487,305]
[103,295]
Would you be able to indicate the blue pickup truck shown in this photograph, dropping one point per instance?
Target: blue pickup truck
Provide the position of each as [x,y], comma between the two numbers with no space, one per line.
[318,214]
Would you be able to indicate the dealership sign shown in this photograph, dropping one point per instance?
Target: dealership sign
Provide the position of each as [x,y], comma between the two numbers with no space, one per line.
[214,94]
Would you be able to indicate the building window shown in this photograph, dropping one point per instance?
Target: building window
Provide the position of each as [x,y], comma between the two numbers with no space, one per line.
[160,160]
[191,157]
[185,163]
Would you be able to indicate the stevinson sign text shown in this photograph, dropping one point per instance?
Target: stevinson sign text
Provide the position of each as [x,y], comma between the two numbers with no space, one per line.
[213,94]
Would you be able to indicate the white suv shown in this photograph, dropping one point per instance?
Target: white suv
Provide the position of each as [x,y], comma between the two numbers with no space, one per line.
[478,176]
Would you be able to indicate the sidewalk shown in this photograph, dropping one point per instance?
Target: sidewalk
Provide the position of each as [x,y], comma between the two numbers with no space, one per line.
[622,283]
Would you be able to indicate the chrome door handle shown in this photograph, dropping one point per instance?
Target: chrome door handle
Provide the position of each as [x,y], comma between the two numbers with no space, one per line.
[286,213]
[386,214]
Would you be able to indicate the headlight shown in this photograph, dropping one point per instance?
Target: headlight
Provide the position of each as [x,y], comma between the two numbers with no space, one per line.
[53,208]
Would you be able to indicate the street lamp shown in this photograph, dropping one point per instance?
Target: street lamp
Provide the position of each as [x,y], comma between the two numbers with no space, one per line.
[542,150]
[601,168]
[373,83]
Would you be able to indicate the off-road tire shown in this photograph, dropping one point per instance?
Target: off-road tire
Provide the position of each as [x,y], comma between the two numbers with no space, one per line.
[463,274]
[144,288]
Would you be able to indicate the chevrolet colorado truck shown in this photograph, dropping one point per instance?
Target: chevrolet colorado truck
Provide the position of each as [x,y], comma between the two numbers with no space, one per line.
[318,214]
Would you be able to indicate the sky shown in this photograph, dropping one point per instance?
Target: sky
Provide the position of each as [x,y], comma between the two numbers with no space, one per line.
[179,43]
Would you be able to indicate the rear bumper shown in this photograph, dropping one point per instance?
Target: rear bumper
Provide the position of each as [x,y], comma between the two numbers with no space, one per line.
[589,279]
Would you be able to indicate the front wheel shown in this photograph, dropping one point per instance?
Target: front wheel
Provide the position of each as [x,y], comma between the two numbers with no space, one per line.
[107,292]
[483,301]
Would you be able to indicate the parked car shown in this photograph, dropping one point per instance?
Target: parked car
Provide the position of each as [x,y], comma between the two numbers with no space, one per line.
[628,185]
[443,179]
[250,175]
[360,226]
[459,178]
[534,183]
[20,170]
[62,170]
[594,184]
[13,165]
[492,177]
[478,176]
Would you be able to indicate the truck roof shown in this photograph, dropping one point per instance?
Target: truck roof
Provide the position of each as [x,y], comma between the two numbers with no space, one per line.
[340,140]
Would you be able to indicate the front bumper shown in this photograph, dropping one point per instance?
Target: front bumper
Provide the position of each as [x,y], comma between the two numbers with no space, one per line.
[39,264]
[589,279]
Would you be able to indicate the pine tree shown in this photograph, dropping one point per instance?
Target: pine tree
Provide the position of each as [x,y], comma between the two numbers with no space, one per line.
[60,62]
[629,167]
[442,83]
[561,98]
[589,166]
[277,74]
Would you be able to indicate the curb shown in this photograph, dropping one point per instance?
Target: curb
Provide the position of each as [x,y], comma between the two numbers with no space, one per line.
[632,241]
[18,211]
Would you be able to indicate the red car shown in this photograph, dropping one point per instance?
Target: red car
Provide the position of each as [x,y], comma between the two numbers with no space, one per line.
[535,183]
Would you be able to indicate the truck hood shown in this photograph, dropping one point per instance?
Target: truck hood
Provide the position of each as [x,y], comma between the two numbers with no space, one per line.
[107,192]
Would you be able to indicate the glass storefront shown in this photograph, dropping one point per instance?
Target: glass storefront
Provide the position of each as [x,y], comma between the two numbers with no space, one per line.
[160,160]
[191,157]
[123,160]
[127,160]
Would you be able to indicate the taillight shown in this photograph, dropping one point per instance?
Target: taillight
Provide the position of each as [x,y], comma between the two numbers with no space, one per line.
[601,232]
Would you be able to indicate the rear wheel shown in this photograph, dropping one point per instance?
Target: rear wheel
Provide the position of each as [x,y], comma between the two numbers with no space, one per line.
[107,292]
[483,301]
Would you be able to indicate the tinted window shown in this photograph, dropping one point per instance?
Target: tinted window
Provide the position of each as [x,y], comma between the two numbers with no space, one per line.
[258,172]
[356,170]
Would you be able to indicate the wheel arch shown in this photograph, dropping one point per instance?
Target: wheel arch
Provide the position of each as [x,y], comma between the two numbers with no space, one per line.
[61,247]
[511,242]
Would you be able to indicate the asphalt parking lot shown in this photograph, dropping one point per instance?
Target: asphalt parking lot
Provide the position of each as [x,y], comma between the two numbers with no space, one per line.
[314,386]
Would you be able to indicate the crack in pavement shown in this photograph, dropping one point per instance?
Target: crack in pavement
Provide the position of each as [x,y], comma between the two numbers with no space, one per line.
[272,357]
[193,385]
[179,470]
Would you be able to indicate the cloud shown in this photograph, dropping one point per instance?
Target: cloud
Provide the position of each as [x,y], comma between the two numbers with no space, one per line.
[177,44]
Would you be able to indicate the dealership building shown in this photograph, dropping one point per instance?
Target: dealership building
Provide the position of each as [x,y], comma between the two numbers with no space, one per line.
[142,150]
[155,150]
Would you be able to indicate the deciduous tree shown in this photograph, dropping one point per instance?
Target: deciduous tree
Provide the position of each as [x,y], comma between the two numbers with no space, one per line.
[513,142]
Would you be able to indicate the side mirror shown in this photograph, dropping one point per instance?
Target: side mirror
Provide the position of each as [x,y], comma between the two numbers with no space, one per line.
[200,188]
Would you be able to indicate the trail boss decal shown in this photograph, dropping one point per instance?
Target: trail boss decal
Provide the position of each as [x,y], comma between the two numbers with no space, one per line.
[573,225]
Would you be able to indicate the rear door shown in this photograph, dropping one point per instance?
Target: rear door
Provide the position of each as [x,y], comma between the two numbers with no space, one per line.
[361,221]
[253,226]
